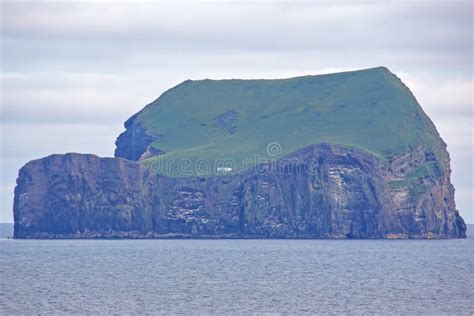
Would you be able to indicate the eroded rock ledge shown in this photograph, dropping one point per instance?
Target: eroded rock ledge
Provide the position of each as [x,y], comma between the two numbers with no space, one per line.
[344,193]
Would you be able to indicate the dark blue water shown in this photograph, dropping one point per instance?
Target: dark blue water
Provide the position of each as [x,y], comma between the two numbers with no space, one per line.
[237,276]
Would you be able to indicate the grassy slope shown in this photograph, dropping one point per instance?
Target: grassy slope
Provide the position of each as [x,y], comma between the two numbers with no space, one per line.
[369,109]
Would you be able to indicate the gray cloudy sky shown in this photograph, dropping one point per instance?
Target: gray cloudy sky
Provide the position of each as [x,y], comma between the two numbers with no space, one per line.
[73,73]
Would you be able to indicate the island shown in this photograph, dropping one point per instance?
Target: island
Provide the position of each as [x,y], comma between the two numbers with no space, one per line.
[344,155]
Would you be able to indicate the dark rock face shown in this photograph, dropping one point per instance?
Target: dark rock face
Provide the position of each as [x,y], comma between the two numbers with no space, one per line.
[135,141]
[321,191]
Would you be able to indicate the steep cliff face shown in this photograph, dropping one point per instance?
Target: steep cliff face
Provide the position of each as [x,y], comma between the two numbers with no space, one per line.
[320,191]
[134,143]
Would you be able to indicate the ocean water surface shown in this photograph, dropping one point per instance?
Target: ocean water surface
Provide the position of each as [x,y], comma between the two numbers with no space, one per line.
[236,276]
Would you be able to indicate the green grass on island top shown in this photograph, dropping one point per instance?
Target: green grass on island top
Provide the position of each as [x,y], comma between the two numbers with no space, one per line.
[237,119]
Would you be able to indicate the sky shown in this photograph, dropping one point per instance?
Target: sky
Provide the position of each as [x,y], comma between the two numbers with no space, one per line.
[72,73]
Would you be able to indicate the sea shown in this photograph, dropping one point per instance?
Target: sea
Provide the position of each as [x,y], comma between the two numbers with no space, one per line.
[256,277]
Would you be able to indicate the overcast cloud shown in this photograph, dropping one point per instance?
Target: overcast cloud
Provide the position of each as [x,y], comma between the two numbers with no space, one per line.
[73,73]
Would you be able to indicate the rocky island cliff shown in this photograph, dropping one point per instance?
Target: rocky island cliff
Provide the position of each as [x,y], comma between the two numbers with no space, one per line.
[347,155]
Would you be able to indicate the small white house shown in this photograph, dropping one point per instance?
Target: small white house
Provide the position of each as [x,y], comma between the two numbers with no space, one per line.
[224,169]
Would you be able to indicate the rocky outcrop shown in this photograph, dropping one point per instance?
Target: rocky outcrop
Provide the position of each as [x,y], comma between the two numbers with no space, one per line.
[320,191]
[135,142]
